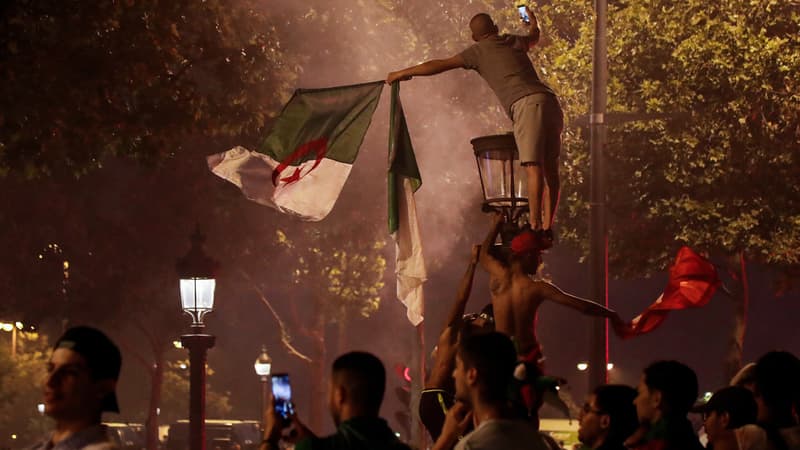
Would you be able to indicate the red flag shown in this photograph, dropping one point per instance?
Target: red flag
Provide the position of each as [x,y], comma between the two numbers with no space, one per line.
[692,282]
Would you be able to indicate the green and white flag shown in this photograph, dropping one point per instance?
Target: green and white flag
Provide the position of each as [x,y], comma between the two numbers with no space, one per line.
[305,160]
[404,179]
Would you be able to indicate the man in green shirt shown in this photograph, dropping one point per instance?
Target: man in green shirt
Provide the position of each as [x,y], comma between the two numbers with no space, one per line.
[357,384]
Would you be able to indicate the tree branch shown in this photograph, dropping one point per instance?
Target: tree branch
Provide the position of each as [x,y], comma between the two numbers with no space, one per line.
[286,339]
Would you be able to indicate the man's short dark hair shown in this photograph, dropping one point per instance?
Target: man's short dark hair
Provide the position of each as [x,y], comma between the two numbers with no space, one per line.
[677,384]
[102,357]
[777,378]
[616,400]
[493,356]
[738,402]
[363,376]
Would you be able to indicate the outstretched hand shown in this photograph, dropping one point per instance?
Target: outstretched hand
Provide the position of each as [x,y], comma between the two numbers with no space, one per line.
[621,328]
[398,75]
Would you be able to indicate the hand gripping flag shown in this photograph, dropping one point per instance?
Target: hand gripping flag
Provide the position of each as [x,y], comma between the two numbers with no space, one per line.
[404,179]
[692,282]
[305,160]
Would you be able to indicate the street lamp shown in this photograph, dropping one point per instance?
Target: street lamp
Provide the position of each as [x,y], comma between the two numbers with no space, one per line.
[503,181]
[263,366]
[196,271]
[12,328]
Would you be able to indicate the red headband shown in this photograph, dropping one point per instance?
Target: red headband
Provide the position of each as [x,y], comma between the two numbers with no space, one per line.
[524,242]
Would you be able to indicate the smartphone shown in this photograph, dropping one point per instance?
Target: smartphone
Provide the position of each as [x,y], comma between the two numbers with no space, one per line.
[523,14]
[282,393]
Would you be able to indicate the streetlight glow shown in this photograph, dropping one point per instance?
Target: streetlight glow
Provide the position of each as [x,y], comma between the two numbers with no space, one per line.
[263,364]
[197,284]
[583,366]
[609,366]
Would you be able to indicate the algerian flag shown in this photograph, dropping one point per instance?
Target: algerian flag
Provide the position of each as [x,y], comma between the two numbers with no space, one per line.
[305,160]
[404,180]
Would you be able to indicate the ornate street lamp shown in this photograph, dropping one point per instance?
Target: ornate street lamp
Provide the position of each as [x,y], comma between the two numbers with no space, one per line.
[503,181]
[263,366]
[197,271]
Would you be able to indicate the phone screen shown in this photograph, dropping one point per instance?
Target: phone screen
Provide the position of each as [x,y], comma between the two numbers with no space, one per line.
[282,393]
[523,14]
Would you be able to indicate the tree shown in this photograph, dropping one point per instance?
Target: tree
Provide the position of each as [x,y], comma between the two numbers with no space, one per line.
[21,380]
[338,278]
[136,78]
[714,176]
[175,402]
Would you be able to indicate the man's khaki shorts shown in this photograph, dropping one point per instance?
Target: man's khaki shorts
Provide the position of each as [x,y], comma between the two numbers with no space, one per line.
[538,122]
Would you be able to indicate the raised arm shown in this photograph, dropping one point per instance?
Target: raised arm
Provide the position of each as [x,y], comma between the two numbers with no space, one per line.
[427,68]
[464,289]
[530,40]
[587,307]
[535,32]
[489,262]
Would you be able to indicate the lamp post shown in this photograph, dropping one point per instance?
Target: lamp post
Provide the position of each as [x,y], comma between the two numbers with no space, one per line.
[12,328]
[196,271]
[263,366]
[503,181]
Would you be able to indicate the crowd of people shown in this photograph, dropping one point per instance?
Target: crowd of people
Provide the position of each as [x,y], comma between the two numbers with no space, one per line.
[485,388]
[488,380]
[758,411]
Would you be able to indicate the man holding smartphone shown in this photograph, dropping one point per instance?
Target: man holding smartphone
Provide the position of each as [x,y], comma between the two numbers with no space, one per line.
[533,107]
[355,394]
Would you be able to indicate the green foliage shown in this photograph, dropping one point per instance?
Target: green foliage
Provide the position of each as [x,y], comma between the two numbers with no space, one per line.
[343,280]
[21,386]
[175,394]
[718,175]
[136,78]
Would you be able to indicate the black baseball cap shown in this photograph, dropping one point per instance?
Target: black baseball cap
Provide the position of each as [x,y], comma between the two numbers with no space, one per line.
[101,355]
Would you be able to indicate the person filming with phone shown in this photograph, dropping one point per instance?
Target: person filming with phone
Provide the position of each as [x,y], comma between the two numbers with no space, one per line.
[502,60]
[355,394]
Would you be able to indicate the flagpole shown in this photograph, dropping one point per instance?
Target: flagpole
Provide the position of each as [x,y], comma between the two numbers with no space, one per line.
[420,428]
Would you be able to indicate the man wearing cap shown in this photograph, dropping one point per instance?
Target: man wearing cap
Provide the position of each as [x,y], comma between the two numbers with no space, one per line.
[80,385]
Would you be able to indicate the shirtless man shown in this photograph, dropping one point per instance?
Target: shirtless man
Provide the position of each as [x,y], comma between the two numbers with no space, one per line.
[516,296]
[437,396]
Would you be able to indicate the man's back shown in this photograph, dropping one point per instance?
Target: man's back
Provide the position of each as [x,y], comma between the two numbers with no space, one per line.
[505,67]
[360,433]
[516,299]
[503,434]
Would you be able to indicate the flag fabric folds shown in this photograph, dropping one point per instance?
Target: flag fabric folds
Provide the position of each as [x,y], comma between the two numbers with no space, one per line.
[304,161]
[403,180]
[692,282]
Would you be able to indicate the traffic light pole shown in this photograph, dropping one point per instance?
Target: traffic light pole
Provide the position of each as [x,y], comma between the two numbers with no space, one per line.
[598,246]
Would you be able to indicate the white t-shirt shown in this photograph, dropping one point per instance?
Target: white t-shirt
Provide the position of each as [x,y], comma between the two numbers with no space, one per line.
[751,437]
[503,434]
